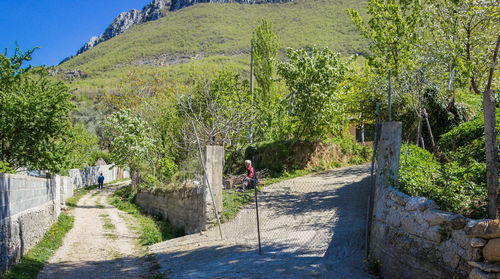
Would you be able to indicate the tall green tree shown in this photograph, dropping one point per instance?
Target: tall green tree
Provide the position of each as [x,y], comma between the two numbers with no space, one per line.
[392,30]
[315,84]
[265,48]
[35,122]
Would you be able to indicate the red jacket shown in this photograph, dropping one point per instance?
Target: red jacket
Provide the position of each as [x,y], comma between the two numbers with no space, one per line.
[250,172]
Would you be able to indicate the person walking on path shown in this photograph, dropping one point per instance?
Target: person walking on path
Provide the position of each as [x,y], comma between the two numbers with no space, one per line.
[100,180]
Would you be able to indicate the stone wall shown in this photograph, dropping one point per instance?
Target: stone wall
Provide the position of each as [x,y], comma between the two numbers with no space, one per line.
[29,206]
[186,208]
[192,207]
[413,239]
[89,175]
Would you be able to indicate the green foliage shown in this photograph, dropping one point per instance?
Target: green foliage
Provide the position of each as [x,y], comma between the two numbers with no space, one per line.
[232,202]
[282,156]
[32,263]
[5,168]
[96,154]
[315,101]
[265,48]
[452,186]
[213,29]
[418,171]
[130,139]
[167,169]
[82,147]
[35,126]
[466,134]
[392,29]
[152,229]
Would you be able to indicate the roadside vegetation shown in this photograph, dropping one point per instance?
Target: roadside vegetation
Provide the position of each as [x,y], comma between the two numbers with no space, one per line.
[32,263]
[151,229]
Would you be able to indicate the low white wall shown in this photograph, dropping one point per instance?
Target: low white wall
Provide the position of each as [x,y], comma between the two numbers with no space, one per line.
[89,175]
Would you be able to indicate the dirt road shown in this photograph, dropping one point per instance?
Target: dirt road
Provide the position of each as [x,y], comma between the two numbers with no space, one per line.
[311,227]
[100,245]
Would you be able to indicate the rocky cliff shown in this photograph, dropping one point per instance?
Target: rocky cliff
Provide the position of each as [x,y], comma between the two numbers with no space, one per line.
[153,11]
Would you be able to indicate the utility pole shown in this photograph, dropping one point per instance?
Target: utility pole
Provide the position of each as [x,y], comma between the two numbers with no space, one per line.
[250,135]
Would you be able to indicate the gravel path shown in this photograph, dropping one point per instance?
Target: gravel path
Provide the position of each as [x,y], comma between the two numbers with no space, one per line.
[311,227]
[92,249]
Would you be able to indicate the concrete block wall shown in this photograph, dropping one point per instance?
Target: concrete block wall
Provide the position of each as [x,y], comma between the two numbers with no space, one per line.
[20,193]
[30,205]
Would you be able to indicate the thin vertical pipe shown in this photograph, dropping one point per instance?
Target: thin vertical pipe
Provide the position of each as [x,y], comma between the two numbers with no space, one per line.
[371,197]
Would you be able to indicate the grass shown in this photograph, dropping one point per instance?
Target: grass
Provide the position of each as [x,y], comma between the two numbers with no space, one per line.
[233,201]
[32,263]
[151,229]
[213,29]
[107,224]
[72,201]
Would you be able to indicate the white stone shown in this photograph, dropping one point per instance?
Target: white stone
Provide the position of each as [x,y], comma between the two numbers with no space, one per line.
[420,203]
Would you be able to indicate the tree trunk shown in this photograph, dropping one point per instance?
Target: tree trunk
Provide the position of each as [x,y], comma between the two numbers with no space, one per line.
[491,152]
[491,140]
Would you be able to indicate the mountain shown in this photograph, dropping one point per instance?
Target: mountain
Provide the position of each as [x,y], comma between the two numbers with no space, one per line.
[153,11]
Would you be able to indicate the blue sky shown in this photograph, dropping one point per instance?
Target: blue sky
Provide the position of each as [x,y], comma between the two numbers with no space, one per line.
[58,27]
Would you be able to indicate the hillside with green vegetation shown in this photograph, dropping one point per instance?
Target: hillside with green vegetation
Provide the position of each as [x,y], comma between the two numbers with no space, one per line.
[217,33]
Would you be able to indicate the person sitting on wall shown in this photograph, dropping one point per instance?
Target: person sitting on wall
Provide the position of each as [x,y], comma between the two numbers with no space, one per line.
[247,182]
[100,180]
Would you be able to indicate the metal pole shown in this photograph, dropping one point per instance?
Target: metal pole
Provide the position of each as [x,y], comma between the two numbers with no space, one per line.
[250,134]
[371,197]
[390,96]
[208,181]
[257,210]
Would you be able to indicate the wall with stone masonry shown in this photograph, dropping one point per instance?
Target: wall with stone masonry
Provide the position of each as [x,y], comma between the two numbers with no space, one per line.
[192,207]
[413,239]
[186,208]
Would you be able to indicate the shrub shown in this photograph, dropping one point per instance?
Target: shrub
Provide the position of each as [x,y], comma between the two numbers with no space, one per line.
[453,186]
[167,169]
[5,168]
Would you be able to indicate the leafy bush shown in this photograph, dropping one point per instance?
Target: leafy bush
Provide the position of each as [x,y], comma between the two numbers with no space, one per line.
[5,167]
[167,169]
[453,186]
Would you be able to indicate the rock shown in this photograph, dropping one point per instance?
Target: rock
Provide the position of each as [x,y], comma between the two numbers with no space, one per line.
[458,222]
[451,257]
[436,217]
[486,266]
[477,273]
[487,229]
[397,196]
[460,238]
[393,219]
[491,251]
[478,242]
[420,203]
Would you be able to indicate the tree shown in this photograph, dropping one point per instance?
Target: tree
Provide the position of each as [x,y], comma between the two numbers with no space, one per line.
[392,29]
[265,48]
[130,138]
[315,100]
[219,108]
[35,122]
